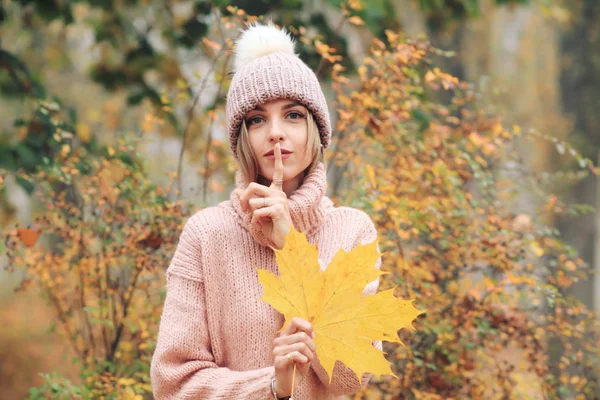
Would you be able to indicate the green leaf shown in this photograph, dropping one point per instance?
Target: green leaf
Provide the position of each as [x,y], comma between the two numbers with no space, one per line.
[25,184]
[193,31]
[7,160]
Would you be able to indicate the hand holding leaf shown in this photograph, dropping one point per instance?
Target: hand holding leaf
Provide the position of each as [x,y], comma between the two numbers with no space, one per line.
[344,321]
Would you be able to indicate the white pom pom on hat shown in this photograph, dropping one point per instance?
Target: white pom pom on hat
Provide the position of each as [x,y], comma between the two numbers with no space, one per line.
[260,40]
[266,68]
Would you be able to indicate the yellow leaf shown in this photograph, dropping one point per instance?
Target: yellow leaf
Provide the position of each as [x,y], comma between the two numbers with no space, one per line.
[109,176]
[537,249]
[371,175]
[64,150]
[355,5]
[84,133]
[344,321]
[112,172]
[489,284]
[181,84]
[391,36]
[440,168]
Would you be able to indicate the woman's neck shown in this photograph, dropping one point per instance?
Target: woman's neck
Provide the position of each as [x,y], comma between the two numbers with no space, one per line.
[289,186]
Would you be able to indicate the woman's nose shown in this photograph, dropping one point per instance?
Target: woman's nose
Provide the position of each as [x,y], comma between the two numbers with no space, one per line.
[276,134]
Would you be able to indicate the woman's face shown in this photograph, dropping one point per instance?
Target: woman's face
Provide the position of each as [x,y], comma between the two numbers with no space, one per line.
[279,121]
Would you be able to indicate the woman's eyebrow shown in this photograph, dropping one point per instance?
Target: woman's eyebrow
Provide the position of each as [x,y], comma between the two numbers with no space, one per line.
[258,108]
[290,105]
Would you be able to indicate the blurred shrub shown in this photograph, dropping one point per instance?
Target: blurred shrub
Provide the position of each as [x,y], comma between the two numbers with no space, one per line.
[98,255]
[442,184]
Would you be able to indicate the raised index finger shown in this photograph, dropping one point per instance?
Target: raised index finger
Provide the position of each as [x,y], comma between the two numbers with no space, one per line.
[277,181]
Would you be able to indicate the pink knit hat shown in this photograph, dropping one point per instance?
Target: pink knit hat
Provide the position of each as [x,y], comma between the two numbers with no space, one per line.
[266,68]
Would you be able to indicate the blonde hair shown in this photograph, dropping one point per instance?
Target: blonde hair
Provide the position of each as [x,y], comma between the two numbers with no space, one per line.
[247,160]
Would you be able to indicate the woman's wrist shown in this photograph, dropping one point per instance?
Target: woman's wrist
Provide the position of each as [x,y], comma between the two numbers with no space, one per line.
[277,396]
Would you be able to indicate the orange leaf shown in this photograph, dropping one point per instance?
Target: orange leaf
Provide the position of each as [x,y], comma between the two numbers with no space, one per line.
[356,20]
[355,5]
[153,240]
[29,236]
[213,45]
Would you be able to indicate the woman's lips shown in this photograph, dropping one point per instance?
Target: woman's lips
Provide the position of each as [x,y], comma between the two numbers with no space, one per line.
[283,156]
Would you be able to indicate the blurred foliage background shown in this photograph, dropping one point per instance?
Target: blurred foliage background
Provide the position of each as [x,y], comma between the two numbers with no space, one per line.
[468,129]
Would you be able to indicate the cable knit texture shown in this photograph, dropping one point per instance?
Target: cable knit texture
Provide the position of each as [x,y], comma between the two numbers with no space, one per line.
[215,338]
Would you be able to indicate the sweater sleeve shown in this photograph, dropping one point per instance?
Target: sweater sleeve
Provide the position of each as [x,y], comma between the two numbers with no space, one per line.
[344,380]
[183,366]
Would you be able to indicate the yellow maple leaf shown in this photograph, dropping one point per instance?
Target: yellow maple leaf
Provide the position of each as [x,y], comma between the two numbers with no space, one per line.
[344,321]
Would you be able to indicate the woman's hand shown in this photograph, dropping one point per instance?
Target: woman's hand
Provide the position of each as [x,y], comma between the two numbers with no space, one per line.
[293,346]
[269,205]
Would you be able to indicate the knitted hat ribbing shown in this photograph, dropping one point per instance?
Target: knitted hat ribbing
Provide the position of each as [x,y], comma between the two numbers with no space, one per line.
[266,68]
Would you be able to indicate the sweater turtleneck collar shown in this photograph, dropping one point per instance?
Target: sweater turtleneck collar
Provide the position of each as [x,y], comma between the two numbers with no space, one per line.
[308,205]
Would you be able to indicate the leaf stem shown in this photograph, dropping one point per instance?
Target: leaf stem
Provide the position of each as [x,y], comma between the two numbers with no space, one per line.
[293,379]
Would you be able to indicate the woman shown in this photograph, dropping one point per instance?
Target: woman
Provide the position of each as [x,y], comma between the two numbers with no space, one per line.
[217,340]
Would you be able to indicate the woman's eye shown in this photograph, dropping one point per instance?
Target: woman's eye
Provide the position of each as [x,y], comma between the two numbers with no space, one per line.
[295,115]
[254,120]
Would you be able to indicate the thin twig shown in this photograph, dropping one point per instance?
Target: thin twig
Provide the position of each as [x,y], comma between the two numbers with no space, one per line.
[128,297]
[82,301]
[190,116]
[206,172]
[82,353]
[321,65]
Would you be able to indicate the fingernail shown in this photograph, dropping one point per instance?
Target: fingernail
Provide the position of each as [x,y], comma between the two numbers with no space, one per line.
[313,335]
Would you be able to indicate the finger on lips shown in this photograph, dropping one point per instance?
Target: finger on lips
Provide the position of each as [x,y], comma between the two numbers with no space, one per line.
[276,181]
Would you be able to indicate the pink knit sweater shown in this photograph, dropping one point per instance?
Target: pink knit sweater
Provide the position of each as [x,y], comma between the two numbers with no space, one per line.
[215,337]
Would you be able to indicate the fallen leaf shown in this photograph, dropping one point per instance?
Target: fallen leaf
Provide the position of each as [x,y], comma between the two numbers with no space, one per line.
[344,321]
